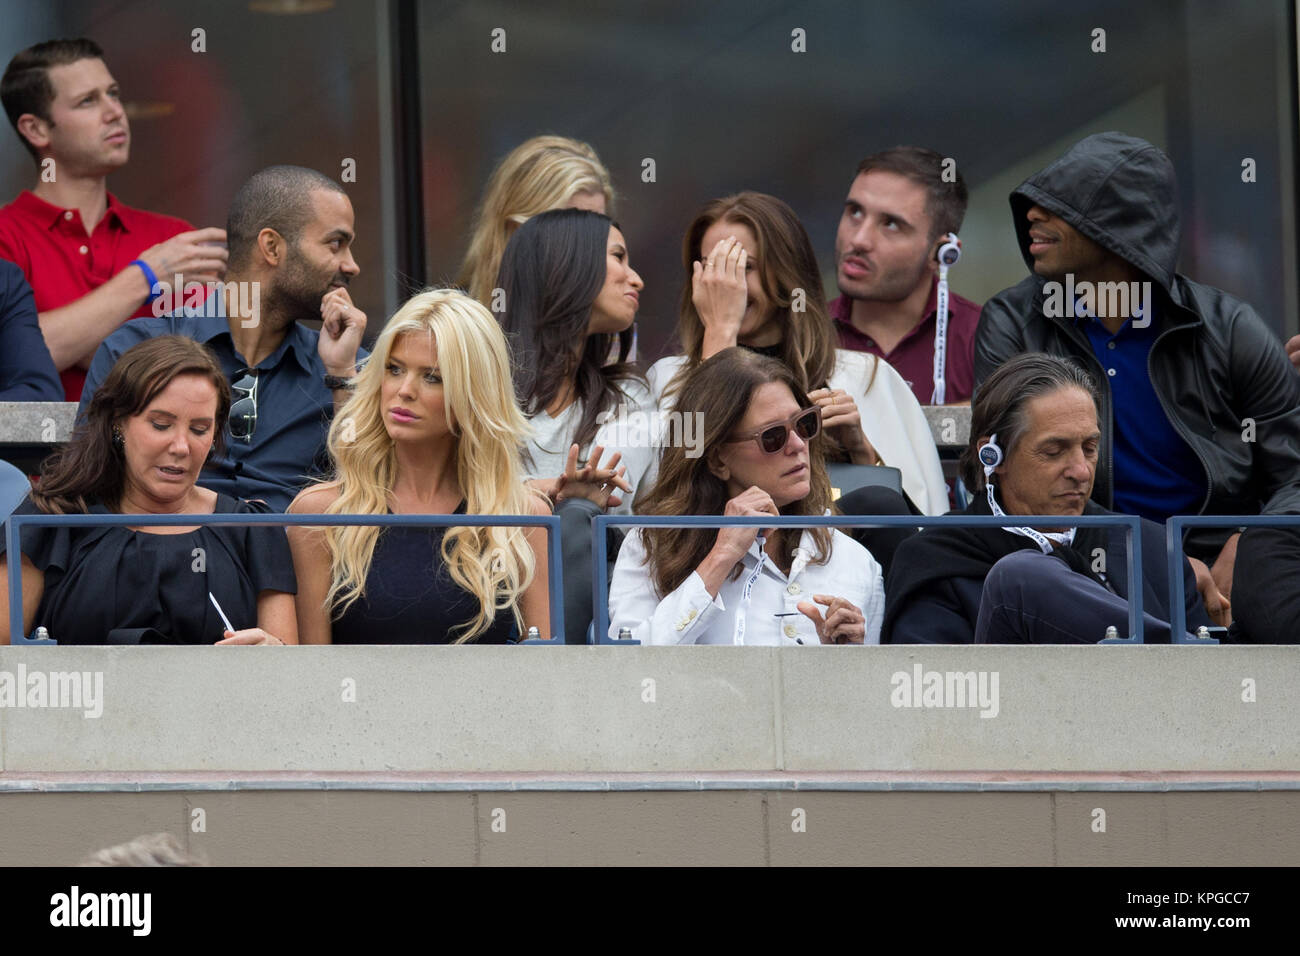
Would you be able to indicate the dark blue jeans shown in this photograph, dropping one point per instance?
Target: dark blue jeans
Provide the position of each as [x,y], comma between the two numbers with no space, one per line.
[1033,598]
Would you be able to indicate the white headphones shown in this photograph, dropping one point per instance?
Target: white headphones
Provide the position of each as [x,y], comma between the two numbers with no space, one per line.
[947,255]
[990,455]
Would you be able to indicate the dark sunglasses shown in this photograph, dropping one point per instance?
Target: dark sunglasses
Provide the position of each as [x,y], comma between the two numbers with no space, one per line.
[243,410]
[806,422]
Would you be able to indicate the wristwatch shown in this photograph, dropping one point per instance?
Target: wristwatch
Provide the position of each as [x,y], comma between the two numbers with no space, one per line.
[337,381]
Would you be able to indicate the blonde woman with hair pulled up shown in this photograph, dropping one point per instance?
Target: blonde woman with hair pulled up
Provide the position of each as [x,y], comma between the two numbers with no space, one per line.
[540,174]
[431,428]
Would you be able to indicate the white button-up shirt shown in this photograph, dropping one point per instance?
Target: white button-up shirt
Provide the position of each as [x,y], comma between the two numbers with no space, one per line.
[690,616]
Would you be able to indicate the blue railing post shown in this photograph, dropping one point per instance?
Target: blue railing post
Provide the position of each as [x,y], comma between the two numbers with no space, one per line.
[1174,553]
[555,587]
[15,582]
[1133,547]
[1174,529]
[599,585]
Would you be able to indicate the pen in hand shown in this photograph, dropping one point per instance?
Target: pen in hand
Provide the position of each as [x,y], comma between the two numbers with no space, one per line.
[224,620]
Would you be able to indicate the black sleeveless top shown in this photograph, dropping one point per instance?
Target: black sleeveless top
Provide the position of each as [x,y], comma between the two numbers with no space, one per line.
[118,586]
[410,597]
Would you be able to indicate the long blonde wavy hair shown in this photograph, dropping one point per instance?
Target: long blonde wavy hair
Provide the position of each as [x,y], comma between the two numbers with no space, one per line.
[538,175]
[493,564]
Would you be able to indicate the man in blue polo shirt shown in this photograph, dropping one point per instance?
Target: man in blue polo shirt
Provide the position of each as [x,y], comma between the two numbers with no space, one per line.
[1156,472]
[1200,410]
[290,232]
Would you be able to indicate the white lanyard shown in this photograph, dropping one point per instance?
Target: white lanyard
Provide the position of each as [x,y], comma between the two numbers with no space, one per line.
[801,558]
[738,635]
[1043,540]
[940,337]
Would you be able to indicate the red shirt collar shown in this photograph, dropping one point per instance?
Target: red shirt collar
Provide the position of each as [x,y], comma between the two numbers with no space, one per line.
[49,215]
[115,210]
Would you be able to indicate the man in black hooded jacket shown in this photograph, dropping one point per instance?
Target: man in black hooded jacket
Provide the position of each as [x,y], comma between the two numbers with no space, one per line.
[1200,408]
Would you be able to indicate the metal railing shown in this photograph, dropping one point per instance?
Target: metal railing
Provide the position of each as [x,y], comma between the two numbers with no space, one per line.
[1130,523]
[1174,529]
[15,524]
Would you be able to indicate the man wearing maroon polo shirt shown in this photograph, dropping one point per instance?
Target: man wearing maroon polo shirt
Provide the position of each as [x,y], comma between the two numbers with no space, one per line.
[899,210]
[91,260]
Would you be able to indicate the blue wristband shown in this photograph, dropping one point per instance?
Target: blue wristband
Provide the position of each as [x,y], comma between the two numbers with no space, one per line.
[155,287]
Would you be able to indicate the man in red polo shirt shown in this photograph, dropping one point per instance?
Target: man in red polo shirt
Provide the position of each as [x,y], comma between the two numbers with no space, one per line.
[902,204]
[92,262]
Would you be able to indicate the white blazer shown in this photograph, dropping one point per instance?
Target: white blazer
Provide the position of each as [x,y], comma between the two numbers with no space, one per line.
[891,418]
[690,616]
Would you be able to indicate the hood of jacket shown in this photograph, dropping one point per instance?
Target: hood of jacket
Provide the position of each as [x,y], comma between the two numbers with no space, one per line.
[1119,191]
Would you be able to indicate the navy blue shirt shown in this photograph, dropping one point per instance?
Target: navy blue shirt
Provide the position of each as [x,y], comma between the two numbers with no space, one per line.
[1157,474]
[294,408]
[27,373]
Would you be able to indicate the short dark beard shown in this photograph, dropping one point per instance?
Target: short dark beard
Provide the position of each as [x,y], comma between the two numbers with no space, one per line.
[281,309]
[292,297]
[893,293]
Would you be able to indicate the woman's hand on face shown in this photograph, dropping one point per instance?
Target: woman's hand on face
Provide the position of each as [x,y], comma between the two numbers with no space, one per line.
[734,542]
[595,483]
[841,418]
[720,293]
[844,622]
[251,635]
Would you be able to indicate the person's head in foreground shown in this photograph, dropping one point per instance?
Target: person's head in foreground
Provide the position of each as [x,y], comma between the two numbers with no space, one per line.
[1040,413]
[762,455]
[435,400]
[543,173]
[154,849]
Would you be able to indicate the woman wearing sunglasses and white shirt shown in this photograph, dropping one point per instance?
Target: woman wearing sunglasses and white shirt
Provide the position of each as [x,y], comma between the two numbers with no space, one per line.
[745,585]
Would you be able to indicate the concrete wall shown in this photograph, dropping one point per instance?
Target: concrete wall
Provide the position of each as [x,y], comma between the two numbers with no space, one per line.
[733,827]
[611,755]
[648,709]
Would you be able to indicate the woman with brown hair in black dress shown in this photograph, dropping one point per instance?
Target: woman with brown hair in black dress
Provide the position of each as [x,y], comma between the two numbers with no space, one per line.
[147,432]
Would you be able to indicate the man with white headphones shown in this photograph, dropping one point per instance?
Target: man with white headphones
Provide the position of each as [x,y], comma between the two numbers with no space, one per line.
[896,240]
[1034,444]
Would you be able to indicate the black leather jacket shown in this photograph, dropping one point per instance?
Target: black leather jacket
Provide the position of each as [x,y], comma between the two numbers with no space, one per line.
[1221,375]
